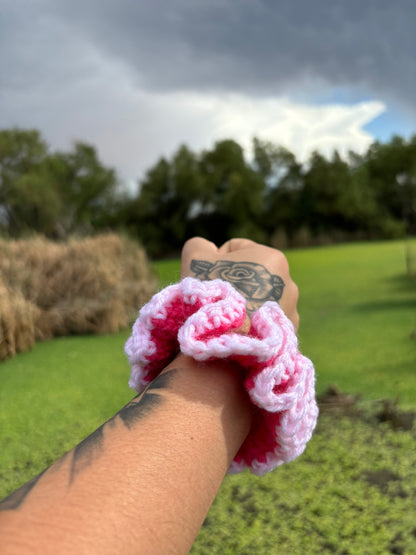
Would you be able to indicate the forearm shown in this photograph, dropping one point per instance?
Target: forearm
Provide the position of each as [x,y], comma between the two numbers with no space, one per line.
[143,482]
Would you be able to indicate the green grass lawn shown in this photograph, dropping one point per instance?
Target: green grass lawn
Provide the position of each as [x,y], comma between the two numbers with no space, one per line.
[358,325]
[358,318]
[358,312]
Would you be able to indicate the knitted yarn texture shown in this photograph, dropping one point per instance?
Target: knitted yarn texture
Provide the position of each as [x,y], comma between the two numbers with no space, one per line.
[199,318]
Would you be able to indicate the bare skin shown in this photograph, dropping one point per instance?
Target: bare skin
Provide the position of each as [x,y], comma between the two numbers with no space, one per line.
[144,481]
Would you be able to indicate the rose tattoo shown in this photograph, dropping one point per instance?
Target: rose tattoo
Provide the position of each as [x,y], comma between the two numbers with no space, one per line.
[252,280]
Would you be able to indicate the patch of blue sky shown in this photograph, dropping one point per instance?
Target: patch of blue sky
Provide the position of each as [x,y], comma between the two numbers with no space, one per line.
[324,95]
[390,123]
[393,121]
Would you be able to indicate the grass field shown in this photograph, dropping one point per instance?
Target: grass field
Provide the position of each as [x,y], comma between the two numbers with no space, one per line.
[358,311]
[354,489]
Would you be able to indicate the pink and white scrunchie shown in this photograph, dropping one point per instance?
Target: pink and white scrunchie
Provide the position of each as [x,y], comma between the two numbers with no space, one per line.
[198,318]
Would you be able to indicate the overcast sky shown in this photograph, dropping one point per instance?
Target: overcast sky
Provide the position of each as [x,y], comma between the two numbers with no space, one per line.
[137,78]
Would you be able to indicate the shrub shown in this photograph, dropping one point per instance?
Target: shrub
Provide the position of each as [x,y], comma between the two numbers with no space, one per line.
[302,238]
[279,239]
[17,318]
[92,285]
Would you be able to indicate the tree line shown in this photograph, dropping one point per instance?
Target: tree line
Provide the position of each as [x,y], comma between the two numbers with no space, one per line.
[217,193]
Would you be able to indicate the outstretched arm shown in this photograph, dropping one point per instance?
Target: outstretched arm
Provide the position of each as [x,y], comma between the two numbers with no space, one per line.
[144,481]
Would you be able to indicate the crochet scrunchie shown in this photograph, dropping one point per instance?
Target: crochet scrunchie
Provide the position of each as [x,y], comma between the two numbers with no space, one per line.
[198,318]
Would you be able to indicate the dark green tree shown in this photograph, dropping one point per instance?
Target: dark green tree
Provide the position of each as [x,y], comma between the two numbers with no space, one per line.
[22,161]
[233,194]
[89,190]
[325,194]
[392,174]
[169,195]
[34,204]
[53,194]
[284,180]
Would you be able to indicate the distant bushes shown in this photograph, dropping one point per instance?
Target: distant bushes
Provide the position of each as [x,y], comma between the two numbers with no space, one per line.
[271,197]
[47,289]
[265,194]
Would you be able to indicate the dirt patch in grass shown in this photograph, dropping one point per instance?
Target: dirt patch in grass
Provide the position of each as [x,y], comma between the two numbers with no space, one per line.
[334,401]
[380,478]
[398,419]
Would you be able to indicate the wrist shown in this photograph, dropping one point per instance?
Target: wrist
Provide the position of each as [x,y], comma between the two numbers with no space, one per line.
[217,386]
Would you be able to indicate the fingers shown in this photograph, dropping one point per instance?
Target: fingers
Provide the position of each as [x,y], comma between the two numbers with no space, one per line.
[197,246]
[262,261]
[199,243]
[235,245]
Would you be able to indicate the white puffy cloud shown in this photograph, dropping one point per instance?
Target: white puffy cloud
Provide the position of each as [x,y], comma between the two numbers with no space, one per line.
[132,127]
[138,79]
[301,128]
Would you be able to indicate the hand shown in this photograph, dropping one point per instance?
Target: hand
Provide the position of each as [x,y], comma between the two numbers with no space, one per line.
[258,272]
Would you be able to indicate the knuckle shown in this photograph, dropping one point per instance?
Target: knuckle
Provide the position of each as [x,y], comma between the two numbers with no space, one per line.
[295,292]
[280,261]
[191,244]
[295,320]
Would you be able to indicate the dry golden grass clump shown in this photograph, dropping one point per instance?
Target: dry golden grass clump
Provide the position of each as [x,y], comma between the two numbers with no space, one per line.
[17,322]
[92,285]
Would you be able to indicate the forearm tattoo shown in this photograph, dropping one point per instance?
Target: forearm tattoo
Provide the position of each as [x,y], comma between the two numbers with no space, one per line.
[15,499]
[135,410]
[85,452]
[252,280]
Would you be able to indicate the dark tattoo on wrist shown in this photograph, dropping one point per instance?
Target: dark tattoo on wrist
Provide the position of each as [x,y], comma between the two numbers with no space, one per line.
[252,280]
[144,402]
[85,452]
[139,407]
[13,501]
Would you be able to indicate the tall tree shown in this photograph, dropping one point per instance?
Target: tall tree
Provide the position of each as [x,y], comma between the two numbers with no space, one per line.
[169,196]
[54,194]
[392,173]
[87,187]
[34,203]
[233,192]
[285,181]
[29,199]
[325,193]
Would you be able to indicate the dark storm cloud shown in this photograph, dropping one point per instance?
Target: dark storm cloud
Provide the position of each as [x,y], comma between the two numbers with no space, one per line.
[253,46]
[102,70]
[35,50]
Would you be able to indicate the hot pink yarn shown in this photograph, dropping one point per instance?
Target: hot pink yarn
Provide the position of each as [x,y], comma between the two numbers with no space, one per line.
[198,318]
